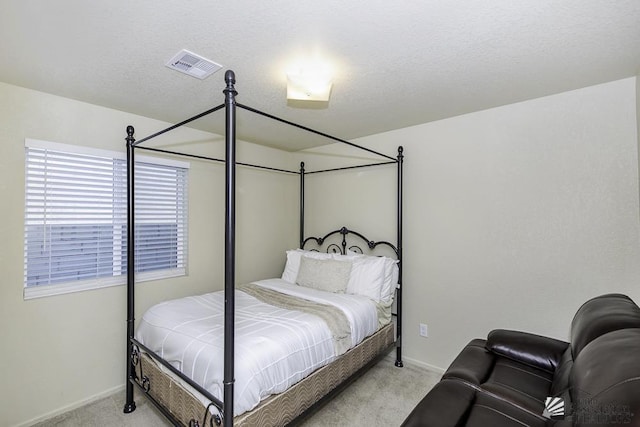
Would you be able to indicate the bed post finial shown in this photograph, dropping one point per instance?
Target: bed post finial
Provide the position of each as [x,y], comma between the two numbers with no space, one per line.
[230,79]
[400,151]
[130,139]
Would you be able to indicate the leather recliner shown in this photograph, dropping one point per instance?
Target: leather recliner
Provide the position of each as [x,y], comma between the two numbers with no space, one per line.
[519,379]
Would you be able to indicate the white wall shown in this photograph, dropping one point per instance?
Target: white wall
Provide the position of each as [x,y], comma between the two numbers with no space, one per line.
[638,115]
[62,350]
[514,216]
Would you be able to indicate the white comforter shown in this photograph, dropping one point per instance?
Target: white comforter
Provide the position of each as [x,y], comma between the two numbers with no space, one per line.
[274,347]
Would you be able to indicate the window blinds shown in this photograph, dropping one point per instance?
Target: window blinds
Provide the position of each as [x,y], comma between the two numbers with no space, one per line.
[75,215]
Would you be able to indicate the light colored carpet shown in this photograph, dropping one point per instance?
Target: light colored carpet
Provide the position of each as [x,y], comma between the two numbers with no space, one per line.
[383,396]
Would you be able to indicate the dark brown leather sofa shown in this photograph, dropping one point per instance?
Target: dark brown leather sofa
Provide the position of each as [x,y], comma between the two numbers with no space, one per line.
[506,380]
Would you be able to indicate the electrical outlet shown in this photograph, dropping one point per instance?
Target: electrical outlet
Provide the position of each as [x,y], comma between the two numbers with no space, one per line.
[424,331]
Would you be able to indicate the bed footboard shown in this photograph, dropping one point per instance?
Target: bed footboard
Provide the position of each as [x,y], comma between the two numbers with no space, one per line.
[172,395]
[277,410]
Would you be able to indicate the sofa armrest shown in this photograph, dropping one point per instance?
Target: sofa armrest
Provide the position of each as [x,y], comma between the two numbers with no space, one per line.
[533,350]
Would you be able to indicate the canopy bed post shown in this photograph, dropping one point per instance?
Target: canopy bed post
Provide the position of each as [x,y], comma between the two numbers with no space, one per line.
[130,405]
[399,290]
[230,246]
[301,204]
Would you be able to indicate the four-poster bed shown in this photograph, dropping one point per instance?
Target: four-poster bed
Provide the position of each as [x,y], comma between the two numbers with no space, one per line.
[186,402]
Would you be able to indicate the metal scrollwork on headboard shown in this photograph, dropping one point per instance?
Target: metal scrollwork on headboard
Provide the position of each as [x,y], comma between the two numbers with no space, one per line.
[342,248]
[333,248]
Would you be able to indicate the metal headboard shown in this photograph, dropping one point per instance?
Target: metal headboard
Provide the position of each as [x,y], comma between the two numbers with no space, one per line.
[344,246]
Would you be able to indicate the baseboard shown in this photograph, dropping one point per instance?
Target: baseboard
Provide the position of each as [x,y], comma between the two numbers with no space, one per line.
[73,406]
[120,388]
[422,364]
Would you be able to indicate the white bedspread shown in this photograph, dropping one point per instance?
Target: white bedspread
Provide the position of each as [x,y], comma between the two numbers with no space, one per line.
[274,347]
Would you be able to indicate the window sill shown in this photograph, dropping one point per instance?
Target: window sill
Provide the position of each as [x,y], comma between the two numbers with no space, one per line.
[33,292]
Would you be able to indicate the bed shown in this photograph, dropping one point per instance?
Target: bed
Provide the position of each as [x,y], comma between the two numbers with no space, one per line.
[265,353]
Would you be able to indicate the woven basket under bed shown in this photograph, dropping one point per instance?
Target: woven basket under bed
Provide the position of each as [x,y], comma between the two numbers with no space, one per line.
[279,409]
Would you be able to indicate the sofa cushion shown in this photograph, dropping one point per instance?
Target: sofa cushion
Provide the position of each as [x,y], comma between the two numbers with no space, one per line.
[490,410]
[600,315]
[519,384]
[454,402]
[447,404]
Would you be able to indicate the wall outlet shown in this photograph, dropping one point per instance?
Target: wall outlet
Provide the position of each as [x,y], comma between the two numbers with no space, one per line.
[424,331]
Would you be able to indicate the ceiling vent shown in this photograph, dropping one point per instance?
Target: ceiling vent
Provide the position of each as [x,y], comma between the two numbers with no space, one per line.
[193,65]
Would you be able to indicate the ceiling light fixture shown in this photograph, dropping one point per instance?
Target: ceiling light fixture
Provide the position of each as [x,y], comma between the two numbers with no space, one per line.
[312,82]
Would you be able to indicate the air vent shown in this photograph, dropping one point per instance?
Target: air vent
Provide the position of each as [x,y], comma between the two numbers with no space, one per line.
[193,65]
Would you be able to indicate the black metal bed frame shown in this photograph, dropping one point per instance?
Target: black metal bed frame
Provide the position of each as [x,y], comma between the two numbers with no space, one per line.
[225,406]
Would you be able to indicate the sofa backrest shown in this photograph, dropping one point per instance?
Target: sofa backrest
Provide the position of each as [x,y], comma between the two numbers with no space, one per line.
[601,315]
[605,381]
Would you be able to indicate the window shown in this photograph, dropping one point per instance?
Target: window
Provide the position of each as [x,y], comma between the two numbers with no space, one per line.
[76,218]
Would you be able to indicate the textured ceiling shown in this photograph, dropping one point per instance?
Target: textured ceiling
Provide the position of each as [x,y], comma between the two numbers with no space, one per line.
[396,63]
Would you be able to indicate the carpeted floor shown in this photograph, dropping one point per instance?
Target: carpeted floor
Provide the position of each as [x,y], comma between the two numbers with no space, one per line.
[383,396]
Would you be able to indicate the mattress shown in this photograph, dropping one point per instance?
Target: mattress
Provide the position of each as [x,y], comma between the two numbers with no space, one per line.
[275,347]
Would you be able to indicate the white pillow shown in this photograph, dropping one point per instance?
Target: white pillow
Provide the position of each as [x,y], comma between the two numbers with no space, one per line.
[292,265]
[390,282]
[327,275]
[373,276]
[367,276]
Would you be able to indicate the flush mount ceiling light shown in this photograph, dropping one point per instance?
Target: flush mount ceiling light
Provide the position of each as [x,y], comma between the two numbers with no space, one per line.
[311,82]
[193,64]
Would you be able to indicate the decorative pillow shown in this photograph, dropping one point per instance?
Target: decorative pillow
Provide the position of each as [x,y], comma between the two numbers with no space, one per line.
[292,265]
[327,275]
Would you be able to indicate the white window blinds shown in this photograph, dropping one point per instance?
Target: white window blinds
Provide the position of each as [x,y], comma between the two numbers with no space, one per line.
[161,211]
[75,217]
